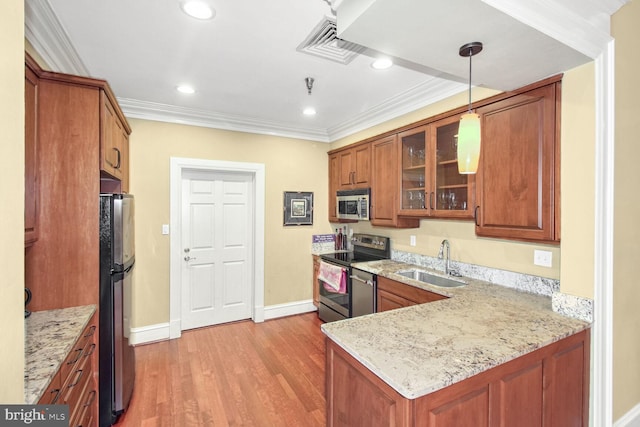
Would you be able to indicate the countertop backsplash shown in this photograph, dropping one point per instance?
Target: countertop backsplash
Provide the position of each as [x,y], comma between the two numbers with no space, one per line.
[568,305]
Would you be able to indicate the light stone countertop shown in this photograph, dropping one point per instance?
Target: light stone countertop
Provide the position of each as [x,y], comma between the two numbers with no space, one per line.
[421,349]
[49,337]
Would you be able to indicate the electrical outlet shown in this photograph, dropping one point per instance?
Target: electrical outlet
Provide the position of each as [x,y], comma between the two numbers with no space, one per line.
[165,228]
[542,258]
[412,240]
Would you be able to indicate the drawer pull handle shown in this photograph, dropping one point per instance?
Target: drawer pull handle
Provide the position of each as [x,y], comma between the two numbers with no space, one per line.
[91,350]
[91,398]
[75,383]
[55,399]
[90,331]
[78,352]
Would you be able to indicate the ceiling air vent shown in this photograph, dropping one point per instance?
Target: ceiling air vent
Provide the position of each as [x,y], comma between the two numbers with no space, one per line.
[324,42]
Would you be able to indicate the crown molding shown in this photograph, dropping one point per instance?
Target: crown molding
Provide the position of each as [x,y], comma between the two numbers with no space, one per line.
[137,109]
[427,93]
[49,38]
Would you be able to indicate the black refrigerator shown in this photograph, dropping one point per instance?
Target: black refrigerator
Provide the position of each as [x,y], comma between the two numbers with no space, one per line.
[117,259]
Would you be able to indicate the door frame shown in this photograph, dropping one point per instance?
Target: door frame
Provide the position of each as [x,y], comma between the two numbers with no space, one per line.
[177,167]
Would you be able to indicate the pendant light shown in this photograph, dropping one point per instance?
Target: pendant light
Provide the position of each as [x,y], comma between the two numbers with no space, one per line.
[469,128]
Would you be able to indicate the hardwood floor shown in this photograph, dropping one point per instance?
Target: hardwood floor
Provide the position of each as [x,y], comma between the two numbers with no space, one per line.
[237,374]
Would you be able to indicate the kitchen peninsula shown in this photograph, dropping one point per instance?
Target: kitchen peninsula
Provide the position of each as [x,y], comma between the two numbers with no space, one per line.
[487,353]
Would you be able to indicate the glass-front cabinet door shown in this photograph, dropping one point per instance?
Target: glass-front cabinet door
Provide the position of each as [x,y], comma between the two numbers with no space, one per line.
[452,191]
[414,158]
[430,183]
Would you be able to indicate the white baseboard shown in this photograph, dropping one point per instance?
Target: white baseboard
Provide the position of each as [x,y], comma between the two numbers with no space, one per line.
[630,419]
[148,334]
[161,331]
[289,309]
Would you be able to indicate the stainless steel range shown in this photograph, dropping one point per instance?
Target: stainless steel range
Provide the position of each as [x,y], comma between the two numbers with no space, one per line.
[354,296]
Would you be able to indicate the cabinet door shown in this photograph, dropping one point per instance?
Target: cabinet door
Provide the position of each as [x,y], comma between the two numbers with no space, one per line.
[362,171]
[124,166]
[31,186]
[347,166]
[357,397]
[387,301]
[415,182]
[384,185]
[334,184]
[355,167]
[110,139]
[517,180]
[452,194]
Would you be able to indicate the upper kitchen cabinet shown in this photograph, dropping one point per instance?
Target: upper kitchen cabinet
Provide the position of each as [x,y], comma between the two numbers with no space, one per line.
[430,182]
[518,180]
[68,130]
[31,188]
[114,143]
[384,185]
[354,166]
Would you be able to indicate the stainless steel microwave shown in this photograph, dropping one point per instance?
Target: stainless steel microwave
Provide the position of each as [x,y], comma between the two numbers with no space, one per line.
[353,204]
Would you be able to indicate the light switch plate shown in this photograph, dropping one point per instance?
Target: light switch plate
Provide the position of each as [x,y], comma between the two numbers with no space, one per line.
[412,240]
[542,258]
[165,228]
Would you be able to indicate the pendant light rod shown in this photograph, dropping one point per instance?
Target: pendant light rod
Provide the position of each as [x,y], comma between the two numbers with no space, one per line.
[468,50]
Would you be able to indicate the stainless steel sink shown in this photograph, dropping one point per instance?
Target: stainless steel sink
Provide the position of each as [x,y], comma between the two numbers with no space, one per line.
[432,279]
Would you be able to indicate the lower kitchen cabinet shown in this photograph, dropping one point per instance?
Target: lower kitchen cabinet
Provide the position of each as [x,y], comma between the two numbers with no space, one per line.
[392,295]
[75,383]
[316,285]
[549,386]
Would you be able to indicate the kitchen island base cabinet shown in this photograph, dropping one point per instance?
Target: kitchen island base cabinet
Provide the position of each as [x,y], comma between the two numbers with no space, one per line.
[547,387]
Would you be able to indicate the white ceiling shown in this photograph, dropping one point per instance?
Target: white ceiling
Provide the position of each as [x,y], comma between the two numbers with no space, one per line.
[249,75]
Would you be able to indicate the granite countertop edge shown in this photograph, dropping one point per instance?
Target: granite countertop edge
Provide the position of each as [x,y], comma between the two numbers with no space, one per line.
[49,337]
[480,326]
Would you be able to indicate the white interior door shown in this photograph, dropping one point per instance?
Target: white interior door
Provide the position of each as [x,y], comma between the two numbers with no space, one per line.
[217,241]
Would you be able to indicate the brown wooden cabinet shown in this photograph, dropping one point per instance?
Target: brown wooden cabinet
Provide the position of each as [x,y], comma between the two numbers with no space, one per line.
[392,294]
[384,185]
[355,166]
[316,285]
[31,187]
[518,180]
[114,143]
[75,383]
[547,387]
[430,182]
[334,185]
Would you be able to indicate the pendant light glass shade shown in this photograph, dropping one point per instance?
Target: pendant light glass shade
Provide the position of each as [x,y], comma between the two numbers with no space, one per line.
[468,143]
[469,128]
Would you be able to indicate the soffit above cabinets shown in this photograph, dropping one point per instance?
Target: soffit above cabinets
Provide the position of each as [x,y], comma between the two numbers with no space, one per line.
[521,39]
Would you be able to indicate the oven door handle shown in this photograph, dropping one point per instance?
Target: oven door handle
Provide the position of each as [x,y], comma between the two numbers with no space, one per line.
[366,282]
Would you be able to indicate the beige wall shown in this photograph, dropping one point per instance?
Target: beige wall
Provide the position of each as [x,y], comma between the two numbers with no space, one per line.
[12,189]
[626,271]
[290,165]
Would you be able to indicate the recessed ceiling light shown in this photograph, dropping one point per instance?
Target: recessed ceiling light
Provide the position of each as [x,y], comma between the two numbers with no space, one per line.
[309,111]
[197,9]
[185,89]
[382,63]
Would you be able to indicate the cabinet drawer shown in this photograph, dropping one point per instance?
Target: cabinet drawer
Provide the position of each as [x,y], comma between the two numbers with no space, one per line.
[411,293]
[83,413]
[52,393]
[77,352]
[77,381]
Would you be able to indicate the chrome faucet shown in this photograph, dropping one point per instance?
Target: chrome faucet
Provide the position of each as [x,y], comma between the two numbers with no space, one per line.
[444,243]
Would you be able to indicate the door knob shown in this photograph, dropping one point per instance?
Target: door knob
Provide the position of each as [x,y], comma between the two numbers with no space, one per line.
[188,258]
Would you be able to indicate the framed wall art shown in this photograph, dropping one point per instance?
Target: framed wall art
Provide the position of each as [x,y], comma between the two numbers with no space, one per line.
[298,208]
